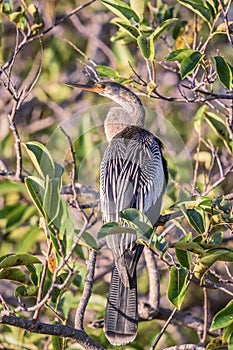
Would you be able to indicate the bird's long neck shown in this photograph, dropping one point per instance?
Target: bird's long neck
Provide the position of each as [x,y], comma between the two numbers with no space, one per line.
[129,112]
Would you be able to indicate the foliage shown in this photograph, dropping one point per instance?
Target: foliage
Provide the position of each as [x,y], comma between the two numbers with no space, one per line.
[177,56]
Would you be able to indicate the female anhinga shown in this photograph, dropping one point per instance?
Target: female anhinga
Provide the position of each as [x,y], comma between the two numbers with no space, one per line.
[133,175]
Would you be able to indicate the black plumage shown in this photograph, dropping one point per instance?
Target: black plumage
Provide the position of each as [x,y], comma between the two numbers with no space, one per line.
[133,175]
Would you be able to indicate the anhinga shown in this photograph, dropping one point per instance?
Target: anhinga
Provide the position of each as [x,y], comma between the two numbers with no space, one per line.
[133,175]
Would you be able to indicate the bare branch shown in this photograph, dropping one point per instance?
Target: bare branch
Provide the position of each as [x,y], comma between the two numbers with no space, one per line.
[43,328]
[186,347]
[79,317]
[205,309]
[220,180]
[182,319]
[163,329]
[225,15]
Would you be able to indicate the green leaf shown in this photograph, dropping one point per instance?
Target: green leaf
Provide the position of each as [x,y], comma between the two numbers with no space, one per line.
[159,242]
[131,30]
[35,187]
[59,170]
[104,71]
[177,285]
[138,6]
[220,129]
[230,342]
[223,318]
[224,71]
[146,47]
[223,205]
[63,221]
[26,291]
[121,9]
[112,229]
[33,274]
[41,158]
[222,28]
[87,240]
[57,342]
[208,206]
[164,26]
[214,4]
[7,6]
[51,202]
[138,221]
[18,17]
[178,29]
[184,256]
[216,238]
[179,55]
[189,63]
[16,275]
[195,219]
[37,20]
[19,259]
[108,228]
[227,334]
[192,247]
[198,7]
[211,256]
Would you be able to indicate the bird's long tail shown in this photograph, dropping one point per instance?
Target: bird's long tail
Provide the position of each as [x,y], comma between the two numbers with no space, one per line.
[121,316]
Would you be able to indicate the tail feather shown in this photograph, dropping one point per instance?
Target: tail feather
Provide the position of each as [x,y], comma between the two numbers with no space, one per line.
[121,316]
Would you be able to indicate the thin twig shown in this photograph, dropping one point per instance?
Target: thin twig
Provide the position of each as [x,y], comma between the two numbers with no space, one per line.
[74,175]
[18,150]
[79,317]
[205,309]
[59,317]
[142,82]
[227,96]
[225,16]
[195,173]
[28,39]
[220,180]
[44,272]
[41,287]
[186,347]
[157,339]
[58,269]
[4,304]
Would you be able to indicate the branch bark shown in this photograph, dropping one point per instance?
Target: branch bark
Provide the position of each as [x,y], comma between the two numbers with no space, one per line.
[59,330]
[79,317]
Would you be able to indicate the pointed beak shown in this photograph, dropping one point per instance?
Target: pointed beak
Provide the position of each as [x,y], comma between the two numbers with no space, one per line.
[94,88]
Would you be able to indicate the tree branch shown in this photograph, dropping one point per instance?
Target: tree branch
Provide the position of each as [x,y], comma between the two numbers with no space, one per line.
[182,319]
[59,330]
[79,317]
[186,347]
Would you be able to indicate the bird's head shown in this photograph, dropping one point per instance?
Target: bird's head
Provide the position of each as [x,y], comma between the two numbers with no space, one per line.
[131,111]
[108,89]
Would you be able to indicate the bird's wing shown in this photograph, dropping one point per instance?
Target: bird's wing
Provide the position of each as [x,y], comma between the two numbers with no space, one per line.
[111,167]
[141,182]
[132,176]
